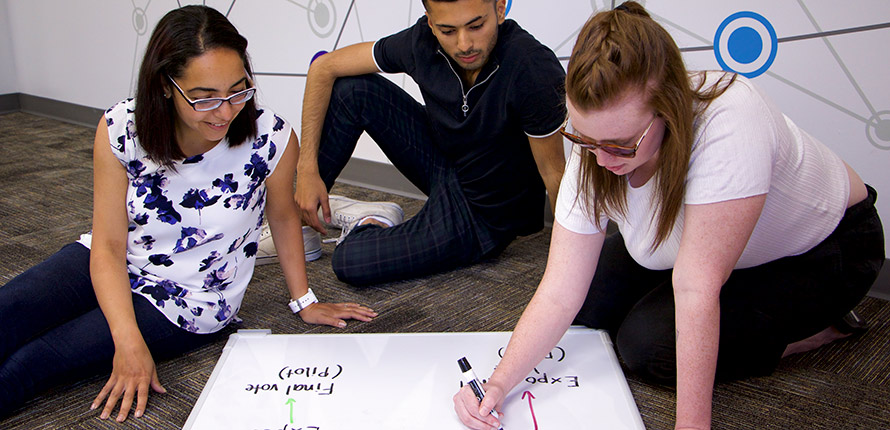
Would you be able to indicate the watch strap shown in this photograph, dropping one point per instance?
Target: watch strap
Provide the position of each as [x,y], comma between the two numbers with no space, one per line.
[297,305]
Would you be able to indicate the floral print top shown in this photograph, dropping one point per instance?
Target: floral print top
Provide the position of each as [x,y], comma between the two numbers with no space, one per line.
[193,232]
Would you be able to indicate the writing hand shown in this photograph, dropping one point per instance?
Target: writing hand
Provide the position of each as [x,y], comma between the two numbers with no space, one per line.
[475,415]
[333,314]
[312,194]
[132,374]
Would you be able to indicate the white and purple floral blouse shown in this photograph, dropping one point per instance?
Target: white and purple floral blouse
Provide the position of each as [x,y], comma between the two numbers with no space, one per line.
[193,232]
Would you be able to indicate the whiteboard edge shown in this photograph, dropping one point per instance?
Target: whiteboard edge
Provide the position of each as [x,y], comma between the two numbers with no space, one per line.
[628,395]
[217,369]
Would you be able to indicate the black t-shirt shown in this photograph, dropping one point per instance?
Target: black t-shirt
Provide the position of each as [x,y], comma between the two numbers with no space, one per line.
[518,93]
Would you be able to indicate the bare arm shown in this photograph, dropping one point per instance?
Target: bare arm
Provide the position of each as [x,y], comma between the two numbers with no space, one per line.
[570,268]
[349,61]
[287,233]
[551,161]
[714,236]
[133,367]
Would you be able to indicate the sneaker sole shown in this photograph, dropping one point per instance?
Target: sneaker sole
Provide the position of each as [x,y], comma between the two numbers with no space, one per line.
[313,255]
[272,259]
[262,261]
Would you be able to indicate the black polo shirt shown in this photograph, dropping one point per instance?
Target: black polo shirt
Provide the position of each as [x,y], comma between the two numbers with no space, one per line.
[484,130]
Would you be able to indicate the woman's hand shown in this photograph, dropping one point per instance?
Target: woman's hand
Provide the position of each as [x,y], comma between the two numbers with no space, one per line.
[132,374]
[478,416]
[334,314]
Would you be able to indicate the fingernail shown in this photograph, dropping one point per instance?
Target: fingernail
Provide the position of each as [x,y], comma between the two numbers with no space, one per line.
[93,407]
[342,324]
[138,414]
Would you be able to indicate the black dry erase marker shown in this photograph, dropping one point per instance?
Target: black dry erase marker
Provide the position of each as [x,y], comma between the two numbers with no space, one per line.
[473,382]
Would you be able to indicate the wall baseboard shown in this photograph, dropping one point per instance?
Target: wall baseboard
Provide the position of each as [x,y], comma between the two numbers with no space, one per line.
[364,173]
[62,111]
[378,176]
[10,103]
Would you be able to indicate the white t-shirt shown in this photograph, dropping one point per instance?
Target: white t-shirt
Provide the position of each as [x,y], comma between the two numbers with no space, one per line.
[743,146]
[193,232]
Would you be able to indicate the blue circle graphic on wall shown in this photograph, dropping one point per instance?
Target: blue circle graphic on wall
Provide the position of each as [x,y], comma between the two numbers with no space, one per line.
[745,43]
[509,5]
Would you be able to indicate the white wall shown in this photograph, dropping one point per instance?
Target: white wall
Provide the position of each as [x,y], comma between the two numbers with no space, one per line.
[75,51]
[87,52]
[8,77]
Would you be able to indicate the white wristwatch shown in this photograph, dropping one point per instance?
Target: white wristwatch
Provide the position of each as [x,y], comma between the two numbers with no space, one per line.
[298,305]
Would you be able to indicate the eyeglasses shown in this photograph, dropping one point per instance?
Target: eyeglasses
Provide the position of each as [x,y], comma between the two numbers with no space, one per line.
[616,150]
[204,105]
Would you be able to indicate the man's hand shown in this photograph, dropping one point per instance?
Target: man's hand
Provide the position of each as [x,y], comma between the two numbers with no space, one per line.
[312,194]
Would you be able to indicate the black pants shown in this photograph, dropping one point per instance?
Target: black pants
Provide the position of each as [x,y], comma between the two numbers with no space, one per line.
[445,234]
[762,308]
[53,331]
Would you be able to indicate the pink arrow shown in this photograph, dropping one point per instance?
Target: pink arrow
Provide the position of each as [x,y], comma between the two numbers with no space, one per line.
[530,407]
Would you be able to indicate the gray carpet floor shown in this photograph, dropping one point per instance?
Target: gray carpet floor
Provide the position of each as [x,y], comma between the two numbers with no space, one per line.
[46,202]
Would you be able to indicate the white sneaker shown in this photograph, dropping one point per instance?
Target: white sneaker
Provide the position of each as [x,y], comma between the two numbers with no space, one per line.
[266,253]
[346,213]
[311,243]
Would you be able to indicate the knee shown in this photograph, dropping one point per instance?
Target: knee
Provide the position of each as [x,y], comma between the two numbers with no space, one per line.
[347,269]
[11,395]
[19,382]
[347,87]
[344,87]
[648,351]
[353,277]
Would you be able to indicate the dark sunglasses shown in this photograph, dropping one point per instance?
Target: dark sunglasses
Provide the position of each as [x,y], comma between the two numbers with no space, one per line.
[616,150]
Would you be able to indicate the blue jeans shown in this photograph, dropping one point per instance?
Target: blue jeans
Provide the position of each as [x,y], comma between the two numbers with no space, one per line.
[762,308]
[445,234]
[53,330]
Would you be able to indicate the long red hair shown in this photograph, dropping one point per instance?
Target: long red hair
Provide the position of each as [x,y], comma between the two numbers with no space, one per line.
[625,49]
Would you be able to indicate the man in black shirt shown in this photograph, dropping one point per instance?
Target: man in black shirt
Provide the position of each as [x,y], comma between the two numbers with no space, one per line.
[484,147]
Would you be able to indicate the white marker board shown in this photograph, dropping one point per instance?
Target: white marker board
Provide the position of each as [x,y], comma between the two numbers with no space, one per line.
[405,381]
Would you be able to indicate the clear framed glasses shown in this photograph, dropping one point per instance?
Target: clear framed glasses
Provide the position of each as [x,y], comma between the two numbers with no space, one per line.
[204,105]
[616,150]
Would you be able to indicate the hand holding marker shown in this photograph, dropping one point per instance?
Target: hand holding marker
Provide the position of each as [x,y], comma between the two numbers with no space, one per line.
[473,382]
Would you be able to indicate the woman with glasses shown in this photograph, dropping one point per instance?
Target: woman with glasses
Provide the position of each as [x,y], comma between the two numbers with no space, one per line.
[741,238]
[183,177]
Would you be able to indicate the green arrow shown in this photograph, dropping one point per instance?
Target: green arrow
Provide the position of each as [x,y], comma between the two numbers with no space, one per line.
[290,402]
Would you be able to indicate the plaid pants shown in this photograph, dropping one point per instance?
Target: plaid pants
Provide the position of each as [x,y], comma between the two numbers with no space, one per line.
[445,234]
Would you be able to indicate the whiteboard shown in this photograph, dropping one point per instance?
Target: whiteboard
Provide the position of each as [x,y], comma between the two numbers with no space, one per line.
[405,381]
